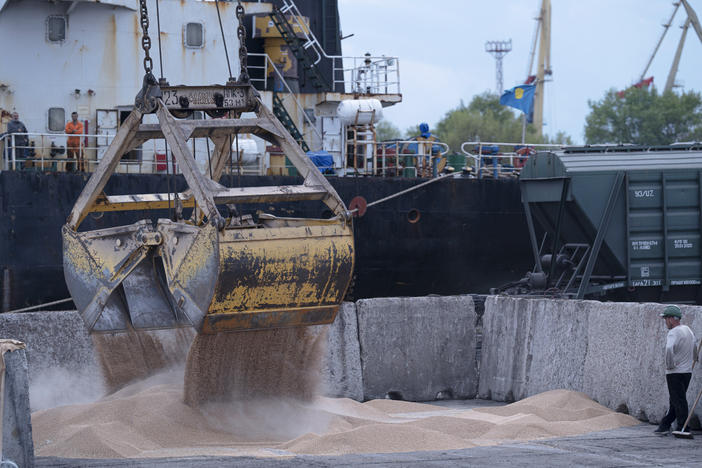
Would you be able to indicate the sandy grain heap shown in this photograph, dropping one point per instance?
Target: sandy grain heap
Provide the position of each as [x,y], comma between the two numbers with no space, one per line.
[149,419]
[253,393]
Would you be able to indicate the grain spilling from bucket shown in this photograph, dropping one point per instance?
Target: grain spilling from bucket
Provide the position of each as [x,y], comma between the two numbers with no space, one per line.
[137,354]
[247,365]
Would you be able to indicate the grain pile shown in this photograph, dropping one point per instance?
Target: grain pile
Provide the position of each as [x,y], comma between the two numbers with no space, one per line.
[149,419]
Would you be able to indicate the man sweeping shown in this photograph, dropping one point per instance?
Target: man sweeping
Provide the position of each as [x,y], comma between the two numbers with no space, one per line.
[679,356]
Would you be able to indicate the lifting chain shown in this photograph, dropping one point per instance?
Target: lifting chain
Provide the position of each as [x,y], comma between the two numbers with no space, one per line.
[243,53]
[145,39]
[147,98]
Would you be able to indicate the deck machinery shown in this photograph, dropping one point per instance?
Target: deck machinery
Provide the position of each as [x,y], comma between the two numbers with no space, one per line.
[201,268]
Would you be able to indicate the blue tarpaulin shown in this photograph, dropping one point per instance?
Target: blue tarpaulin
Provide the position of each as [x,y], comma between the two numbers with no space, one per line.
[323,160]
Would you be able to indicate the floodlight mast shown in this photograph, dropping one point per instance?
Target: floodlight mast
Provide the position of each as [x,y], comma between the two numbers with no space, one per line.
[498,49]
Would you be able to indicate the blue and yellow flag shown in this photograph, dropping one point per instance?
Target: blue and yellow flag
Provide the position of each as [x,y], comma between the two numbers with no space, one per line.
[520,97]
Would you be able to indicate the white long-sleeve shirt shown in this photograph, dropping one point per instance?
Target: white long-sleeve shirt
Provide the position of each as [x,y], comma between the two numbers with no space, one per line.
[679,350]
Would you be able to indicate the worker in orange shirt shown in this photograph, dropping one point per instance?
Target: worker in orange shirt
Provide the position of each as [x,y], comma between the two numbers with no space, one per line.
[73,148]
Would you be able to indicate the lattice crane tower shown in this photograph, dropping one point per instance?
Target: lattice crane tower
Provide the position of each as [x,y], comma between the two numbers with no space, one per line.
[498,49]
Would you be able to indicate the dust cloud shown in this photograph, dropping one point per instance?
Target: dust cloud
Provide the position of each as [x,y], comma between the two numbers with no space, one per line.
[59,386]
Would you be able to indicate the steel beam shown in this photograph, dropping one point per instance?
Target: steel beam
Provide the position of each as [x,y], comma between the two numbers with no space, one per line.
[530,225]
[186,161]
[155,201]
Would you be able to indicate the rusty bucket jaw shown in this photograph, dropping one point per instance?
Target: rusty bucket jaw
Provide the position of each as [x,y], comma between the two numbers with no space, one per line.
[292,273]
[138,276]
[277,277]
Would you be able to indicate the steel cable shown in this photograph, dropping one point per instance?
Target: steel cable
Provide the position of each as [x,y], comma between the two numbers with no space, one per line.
[158,26]
[224,41]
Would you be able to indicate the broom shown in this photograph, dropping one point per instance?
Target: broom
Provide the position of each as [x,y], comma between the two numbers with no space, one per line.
[681,434]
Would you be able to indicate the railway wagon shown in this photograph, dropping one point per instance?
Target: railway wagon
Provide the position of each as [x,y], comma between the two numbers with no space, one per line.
[618,221]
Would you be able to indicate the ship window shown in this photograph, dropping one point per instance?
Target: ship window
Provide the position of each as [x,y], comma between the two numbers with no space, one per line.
[57,119]
[56,28]
[194,35]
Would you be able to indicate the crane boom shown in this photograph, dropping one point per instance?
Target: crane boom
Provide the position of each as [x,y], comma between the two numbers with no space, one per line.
[693,19]
[544,65]
[666,26]
[670,82]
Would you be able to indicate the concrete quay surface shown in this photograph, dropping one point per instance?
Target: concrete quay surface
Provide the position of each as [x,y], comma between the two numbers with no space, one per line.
[626,447]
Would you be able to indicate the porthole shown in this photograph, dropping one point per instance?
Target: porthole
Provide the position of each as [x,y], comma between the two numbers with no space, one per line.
[194,35]
[56,28]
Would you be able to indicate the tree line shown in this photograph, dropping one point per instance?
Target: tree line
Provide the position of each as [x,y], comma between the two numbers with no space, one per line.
[640,116]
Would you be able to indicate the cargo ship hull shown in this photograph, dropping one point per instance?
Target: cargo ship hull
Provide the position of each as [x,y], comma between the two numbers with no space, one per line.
[455,236]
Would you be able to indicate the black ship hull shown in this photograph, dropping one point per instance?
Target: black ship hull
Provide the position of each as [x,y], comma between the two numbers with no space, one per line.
[455,236]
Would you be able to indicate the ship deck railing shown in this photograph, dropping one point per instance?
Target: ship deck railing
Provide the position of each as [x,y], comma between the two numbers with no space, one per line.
[366,75]
[499,159]
[48,152]
[396,158]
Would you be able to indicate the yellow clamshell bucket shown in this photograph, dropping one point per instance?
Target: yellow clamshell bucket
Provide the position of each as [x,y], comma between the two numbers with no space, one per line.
[213,273]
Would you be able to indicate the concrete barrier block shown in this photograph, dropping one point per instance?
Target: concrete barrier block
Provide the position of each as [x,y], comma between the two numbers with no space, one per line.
[625,367]
[692,317]
[418,348]
[17,444]
[613,352]
[341,369]
[63,367]
[53,339]
[530,346]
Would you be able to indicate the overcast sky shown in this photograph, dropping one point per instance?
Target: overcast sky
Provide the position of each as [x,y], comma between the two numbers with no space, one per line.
[595,45]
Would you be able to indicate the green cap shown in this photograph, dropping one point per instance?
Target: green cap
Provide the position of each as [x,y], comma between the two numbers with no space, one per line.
[671,311]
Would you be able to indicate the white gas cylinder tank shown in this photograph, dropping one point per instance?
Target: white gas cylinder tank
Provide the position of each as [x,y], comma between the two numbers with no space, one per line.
[249,150]
[360,111]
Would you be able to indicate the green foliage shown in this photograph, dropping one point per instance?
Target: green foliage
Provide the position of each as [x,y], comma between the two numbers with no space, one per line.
[412,131]
[644,117]
[484,119]
[560,137]
[386,130]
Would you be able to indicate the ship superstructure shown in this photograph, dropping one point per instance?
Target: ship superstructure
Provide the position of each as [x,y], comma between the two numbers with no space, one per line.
[85,57]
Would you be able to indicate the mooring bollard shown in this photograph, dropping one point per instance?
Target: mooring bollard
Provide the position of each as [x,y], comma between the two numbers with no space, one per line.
[16,445]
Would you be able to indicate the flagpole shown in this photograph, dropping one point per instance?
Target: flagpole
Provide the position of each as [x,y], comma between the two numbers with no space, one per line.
[523,128]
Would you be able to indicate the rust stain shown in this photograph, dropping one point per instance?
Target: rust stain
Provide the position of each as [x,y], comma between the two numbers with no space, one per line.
[137,30]
[108,67]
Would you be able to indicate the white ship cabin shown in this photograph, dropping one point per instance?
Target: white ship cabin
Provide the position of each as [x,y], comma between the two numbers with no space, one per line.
[86,56]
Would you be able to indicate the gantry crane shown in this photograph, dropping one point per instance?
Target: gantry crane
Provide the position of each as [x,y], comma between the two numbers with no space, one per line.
[691,20]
